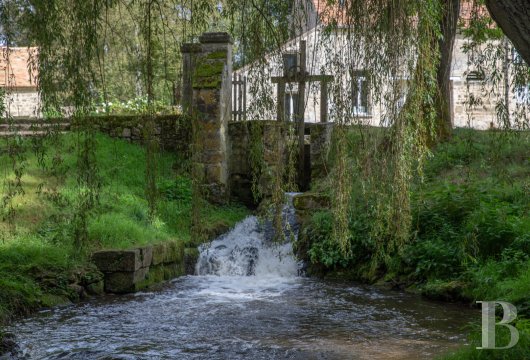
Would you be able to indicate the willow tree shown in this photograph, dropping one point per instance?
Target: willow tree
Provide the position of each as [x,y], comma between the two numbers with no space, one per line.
[405,44]
[513,17]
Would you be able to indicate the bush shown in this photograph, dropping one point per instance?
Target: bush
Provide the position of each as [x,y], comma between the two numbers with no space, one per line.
[492,227]
[178,189]
[433,259]
[323,250]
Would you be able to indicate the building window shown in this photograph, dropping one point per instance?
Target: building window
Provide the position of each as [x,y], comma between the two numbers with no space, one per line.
[516,57]
[522,94]
[360,92]
[290,63]
[475,76]
[291,105]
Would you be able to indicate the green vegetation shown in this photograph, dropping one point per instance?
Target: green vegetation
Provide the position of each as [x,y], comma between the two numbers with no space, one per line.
[470,237]
[37,253]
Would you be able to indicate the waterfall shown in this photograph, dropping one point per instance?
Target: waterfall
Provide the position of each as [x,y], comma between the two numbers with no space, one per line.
[248,249]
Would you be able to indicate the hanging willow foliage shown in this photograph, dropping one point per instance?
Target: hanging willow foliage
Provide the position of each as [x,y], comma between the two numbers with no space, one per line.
[392,44]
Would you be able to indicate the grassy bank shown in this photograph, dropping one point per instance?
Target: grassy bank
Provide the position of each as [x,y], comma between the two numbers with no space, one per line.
[37,254]
[471,230]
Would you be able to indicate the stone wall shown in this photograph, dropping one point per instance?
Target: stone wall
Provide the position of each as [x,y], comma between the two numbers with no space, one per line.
[172,131]
[132,270]
[255,141]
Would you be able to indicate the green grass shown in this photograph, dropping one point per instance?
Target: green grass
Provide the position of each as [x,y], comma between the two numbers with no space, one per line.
[518,352]
[36,247]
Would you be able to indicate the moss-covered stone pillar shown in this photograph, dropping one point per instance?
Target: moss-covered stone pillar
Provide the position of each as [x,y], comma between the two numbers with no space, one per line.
[212,109]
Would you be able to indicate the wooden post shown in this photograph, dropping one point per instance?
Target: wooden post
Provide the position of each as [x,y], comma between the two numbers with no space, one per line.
[280,111]
[234,97]
[239,98]
[300,113]
[244,98]
[324,101]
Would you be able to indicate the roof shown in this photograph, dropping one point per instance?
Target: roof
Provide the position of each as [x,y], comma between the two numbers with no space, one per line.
[18,67]
[330,13]
[470,10]
[336,13]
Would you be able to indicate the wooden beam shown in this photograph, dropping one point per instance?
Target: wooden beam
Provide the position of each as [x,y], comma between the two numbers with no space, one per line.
[280,111]
[300,114]
[300,78]
[324,101]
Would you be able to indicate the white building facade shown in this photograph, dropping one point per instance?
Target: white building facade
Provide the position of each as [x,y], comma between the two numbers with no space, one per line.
[474,101]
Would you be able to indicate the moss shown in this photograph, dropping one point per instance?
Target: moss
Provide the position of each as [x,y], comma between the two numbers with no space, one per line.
[443,290]
[221,54]
[50,300]
[96,288]
[208,74]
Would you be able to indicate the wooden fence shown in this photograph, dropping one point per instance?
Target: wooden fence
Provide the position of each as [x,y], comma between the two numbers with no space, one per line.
[239,98]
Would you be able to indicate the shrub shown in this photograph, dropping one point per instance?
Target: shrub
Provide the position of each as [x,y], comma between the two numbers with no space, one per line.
[323,248]
[433,259]
[178,189]
[491,227]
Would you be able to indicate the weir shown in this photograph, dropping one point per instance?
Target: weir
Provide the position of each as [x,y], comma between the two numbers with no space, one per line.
[249,249]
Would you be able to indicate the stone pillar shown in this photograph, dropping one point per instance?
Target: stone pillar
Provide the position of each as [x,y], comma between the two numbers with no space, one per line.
[211,111]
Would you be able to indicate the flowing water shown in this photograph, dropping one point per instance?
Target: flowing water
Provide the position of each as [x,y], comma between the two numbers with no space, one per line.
[247,302]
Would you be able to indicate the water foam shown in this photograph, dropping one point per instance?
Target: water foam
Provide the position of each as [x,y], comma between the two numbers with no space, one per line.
[248,250]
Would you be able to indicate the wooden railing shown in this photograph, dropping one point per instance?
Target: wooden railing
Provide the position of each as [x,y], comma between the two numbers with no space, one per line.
[239,98]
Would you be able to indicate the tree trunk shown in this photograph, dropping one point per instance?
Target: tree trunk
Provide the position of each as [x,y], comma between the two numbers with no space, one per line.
[513,17]
[449,23]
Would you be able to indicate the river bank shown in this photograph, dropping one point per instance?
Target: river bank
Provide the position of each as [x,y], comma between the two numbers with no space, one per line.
[470,228]
[248,301]
[39,264]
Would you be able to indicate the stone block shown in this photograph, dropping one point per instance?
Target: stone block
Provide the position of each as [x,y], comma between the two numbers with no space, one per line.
[125,282]
[168,252]
[311,202]
[212,157]
[117,260]
[96,288]
[213,173]
[175,252]
[159,253]
[191,255]
[146,255]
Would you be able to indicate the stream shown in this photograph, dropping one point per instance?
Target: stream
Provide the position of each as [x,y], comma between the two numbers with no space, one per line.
[248,301]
